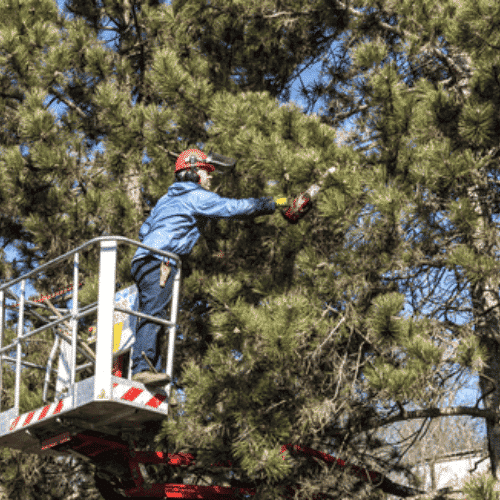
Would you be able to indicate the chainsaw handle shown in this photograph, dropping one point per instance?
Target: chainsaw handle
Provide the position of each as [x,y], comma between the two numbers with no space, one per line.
[298,209]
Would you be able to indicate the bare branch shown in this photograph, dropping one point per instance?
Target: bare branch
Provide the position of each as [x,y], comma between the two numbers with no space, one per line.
[126,12]
[318,349]
[434,413]
[450,63]
[360,14]
[347,114]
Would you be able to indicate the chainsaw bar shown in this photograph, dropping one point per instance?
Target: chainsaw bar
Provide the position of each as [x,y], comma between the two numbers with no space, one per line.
[303,203]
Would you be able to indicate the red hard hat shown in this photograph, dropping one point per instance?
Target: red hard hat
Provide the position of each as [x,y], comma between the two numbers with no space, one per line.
[183,160]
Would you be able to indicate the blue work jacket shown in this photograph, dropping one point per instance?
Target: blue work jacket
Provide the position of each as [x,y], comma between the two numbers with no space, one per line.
[173,224]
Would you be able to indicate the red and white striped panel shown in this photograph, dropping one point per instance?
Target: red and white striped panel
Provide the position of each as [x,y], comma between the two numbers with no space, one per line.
[39,414]
[140,396]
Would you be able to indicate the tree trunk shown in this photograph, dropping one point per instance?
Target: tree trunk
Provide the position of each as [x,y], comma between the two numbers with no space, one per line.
[133,188]
[492,401]
[484,296]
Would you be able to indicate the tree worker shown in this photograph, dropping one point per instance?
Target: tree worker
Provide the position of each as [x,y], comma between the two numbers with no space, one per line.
[173,226]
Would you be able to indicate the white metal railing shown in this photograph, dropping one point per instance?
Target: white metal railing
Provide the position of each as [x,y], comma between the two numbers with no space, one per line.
[105,307]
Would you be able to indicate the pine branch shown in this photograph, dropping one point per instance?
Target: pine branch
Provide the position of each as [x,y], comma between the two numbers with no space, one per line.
[290,14]
[65,100]
[461,74]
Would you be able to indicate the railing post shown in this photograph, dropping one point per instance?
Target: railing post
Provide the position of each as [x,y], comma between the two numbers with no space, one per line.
[172,330]
[106,303]
[74,324]
[2,319]
[20,326]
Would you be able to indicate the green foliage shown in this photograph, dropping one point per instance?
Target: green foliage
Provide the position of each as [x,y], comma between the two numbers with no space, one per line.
[475,267]
[90,290]
[471,354]
[273,141]
[382,320]
[474,19]
[297,331]
[401,375]
[476,124]
[370,53]
[481,488]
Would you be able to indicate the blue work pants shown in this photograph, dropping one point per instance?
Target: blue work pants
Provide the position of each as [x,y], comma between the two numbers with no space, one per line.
[153,300]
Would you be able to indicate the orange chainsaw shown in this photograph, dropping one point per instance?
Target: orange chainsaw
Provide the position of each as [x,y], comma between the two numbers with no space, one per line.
[301,205]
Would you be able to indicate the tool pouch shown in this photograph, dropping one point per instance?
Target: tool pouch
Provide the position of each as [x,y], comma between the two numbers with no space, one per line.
[165,271]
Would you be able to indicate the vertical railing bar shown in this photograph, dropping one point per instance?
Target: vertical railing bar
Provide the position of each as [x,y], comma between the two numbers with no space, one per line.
[173,319]
[129,371]
[74,324]
[105,316]
[20,326]
[2,319]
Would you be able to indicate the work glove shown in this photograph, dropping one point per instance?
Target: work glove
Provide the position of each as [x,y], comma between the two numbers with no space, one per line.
[281,201]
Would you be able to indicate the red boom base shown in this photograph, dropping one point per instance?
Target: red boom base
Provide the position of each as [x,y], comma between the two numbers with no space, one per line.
[108,452]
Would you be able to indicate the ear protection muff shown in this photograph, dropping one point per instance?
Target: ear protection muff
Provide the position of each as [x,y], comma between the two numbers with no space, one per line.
[188,175]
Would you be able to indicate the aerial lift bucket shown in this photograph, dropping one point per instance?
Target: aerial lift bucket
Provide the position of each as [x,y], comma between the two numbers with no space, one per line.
[103,402]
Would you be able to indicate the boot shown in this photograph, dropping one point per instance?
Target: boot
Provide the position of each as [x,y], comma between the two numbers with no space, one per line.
[150,378]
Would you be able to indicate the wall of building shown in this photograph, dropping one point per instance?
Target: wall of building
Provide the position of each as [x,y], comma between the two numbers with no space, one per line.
[448,471]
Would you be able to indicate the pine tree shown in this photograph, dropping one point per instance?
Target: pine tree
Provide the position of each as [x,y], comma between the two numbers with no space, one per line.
[297,334]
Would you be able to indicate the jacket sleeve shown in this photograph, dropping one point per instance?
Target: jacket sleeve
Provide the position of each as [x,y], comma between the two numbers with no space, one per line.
[145,228]
[211,205]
